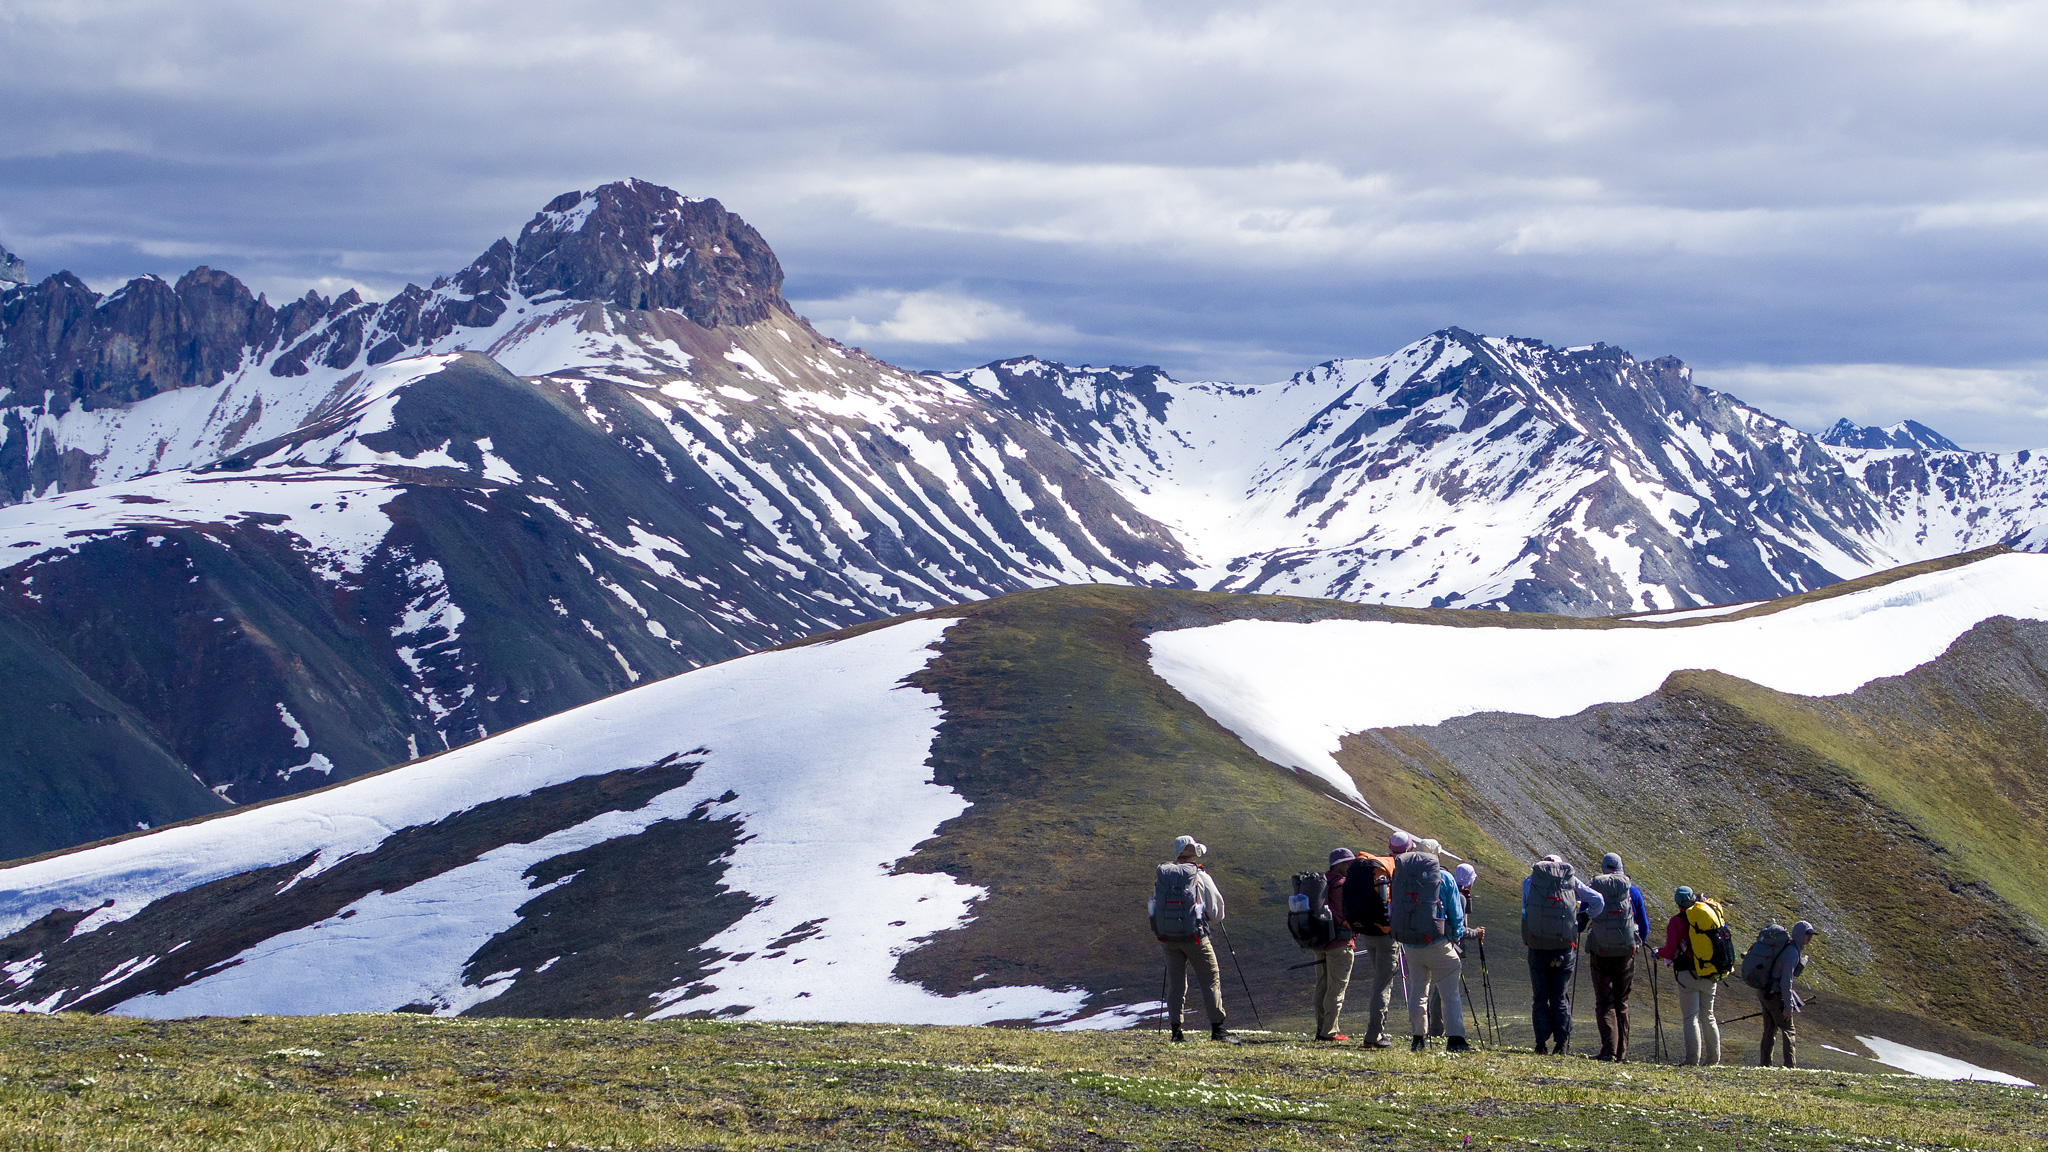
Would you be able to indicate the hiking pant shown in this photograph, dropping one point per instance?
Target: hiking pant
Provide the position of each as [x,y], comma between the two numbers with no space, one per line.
[1180,954]
[1777,1021]
[1613,977]
[1433,966]
[1702,1031]
[1379,952]
[1550,978]
[1333,972]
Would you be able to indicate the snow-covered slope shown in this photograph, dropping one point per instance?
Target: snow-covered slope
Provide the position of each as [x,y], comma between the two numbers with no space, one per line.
[1293,691]
[809,764]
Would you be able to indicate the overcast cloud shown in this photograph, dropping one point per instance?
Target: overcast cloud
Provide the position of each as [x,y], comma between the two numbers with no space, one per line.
[1827,208]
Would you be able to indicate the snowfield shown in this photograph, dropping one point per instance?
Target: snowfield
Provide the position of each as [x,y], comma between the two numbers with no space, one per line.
[1291,692]
[818,745]
[1921,1062]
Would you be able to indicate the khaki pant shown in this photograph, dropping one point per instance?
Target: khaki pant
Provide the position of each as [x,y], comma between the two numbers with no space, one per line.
[1777,1022]
[1333,973]
[1433,966]
[1180,954]
[1702,1031]
[1379,953]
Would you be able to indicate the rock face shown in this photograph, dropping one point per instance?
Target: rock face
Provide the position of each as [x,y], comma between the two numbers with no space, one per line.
[13,270]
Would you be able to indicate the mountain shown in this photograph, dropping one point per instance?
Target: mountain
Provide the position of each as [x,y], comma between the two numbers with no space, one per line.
[251,549]
[952,817]
[1905,434]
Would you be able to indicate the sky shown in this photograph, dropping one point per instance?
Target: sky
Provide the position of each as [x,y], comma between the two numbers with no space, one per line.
[1828,209]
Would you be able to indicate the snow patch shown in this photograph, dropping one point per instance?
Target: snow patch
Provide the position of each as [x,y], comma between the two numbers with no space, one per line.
[1934,1065]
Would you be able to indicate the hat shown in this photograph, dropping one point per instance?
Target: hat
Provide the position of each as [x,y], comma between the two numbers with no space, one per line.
[1465,875]
[1183,843]
[1429,846]
[1554,858]
[1610,863]
[1683,896]
[1400,842]
[1340,855]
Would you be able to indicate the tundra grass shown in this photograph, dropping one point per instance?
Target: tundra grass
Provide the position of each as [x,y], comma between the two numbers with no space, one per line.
[406,1082]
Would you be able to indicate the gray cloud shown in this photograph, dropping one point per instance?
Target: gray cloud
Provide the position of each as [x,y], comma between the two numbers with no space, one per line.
[1770,191]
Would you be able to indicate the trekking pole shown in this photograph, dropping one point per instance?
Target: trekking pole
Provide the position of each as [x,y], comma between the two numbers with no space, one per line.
[1465,990]
[1486,985]
[1656,1002]
[1253,1004]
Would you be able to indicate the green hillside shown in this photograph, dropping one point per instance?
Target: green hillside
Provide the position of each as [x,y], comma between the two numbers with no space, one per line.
[1907,819]
[258,1084]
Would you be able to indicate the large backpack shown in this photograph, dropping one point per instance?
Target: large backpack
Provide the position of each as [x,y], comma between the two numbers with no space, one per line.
[1760,963]
[1365,896]
[1613,931]
[1709,939]
[1550,913]
[1415,899]
[1177,912]
[1308,911]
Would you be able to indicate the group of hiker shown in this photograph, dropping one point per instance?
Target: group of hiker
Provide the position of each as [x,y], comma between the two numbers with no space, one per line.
[1413,919]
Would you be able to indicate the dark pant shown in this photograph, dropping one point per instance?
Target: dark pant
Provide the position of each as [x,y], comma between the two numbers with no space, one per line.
[1613,976]
[1550,977]
[1777,1022]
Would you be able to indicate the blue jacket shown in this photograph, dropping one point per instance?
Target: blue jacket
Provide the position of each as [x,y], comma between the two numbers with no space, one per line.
[1453,906]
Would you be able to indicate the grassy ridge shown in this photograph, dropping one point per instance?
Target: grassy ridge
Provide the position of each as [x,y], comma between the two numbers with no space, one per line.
[384,1082]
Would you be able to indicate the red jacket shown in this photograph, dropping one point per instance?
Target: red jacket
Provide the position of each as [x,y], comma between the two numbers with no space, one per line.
[1335,903]
[1674,939]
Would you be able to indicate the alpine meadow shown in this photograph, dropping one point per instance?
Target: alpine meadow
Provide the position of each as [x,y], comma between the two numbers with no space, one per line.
[577,703]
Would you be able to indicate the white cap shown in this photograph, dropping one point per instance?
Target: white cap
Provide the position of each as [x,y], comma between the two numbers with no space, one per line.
[1183,843]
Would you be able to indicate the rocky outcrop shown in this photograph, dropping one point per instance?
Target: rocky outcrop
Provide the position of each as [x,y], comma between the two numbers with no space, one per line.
[13,270]
[637,245]
[1909,434]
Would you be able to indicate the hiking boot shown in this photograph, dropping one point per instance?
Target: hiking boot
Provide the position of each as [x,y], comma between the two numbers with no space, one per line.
[1605,1057]
[1334,1038]
[1378,1042]
[1179,1037]
[1541,1050]
[1421,1044]
[1457,1044]
[1219,1032]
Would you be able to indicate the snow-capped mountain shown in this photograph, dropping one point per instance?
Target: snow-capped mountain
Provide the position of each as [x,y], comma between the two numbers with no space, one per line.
[1503,473]
[254,549]
[953,817]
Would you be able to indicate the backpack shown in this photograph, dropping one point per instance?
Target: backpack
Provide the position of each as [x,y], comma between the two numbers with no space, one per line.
[1365,896]
[1613,931]
[1308,911]
[1709,940]
[1177,912]
[1415,899]
[1760,963]
[1550,913]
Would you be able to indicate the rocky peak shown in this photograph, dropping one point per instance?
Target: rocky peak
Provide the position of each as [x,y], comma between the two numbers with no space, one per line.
[1904,434]
[13,270]
[633,244]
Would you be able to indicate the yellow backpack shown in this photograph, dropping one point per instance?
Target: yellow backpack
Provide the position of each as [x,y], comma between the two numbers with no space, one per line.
[1709,939]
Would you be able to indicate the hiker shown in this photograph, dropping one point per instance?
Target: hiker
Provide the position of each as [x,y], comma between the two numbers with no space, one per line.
[1365,910]
[1463,877]
[1333,960]
[1429,920]
[1689,948]
[1770,966]
[1553,900]
[1185,901]
[1612,938]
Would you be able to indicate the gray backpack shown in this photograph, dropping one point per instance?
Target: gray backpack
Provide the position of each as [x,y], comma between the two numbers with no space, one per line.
[1550,913]
[1415,899]
[1613,931]
[1177,912]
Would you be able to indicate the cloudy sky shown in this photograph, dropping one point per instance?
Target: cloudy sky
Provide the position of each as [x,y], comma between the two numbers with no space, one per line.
[1827,208]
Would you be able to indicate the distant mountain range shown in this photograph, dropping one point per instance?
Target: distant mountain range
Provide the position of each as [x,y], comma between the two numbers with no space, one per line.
[952,817]
[254,549]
